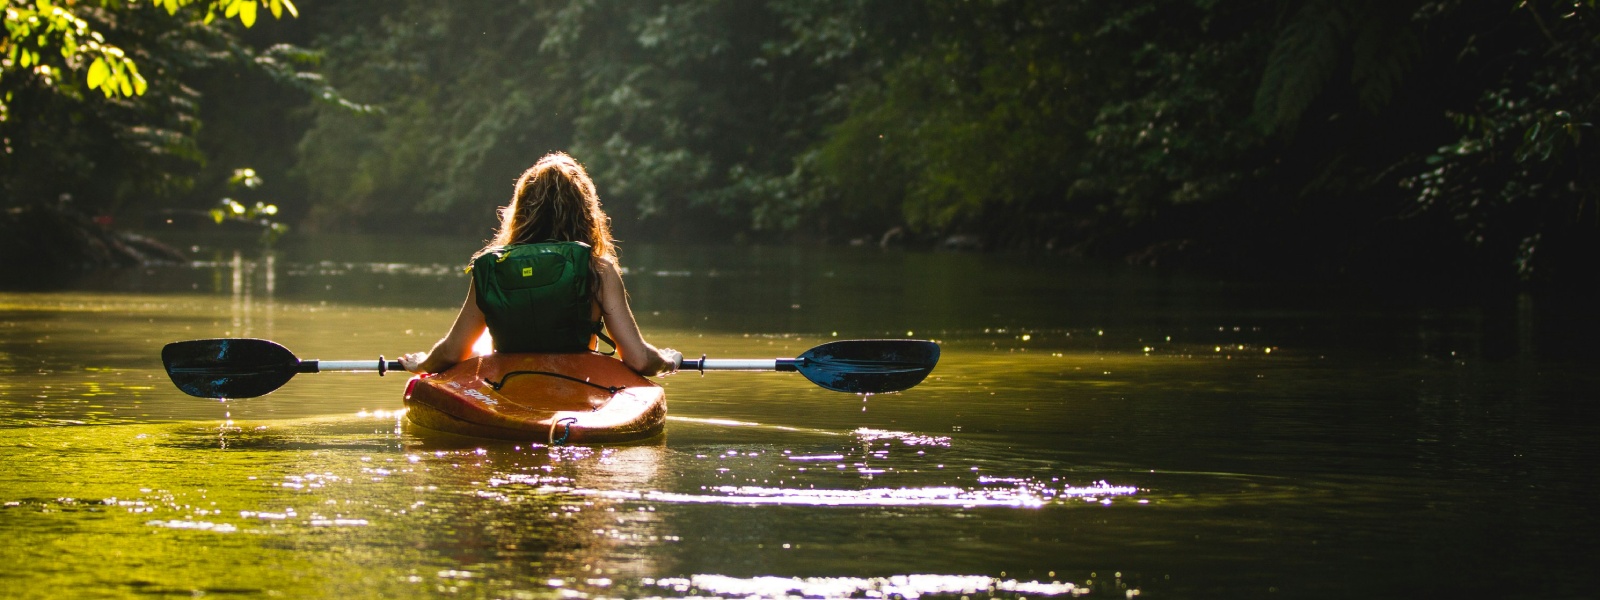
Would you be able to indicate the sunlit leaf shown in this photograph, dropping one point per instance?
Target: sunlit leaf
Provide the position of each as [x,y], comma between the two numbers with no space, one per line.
[139,84]
[98,73]
[247,13]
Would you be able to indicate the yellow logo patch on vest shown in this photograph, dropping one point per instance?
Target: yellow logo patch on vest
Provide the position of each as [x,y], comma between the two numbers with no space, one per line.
[527,271]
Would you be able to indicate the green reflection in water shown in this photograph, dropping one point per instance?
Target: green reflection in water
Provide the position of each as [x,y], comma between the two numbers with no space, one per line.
[355,505]
[301,508]
[1110,429]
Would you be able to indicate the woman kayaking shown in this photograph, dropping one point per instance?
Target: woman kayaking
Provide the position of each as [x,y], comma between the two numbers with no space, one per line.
[549,280]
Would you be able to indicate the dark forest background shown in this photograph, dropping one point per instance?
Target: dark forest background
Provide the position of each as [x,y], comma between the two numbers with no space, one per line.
[1425,141]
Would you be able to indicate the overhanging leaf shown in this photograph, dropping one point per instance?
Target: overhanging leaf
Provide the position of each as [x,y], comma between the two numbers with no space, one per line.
[139,84]
[98,73]
[247,13]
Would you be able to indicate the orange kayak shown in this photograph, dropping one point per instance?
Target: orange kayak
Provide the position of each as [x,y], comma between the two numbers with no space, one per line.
[556,399]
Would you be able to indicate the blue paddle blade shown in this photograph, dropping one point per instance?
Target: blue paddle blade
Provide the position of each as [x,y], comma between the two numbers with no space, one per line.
[228,368]
[868,366]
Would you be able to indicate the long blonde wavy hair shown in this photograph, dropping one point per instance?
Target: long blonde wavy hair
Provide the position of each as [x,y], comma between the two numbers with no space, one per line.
[555,200]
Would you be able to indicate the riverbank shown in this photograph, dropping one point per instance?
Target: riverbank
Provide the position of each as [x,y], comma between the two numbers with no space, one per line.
[43,246]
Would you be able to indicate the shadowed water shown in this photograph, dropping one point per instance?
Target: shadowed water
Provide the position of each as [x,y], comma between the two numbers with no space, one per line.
[1090,429]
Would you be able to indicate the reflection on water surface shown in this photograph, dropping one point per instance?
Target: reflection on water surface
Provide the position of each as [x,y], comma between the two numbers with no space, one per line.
[1090,430]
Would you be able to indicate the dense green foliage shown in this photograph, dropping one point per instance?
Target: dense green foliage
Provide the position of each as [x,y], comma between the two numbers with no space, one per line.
[98,102]
[1325,135]
[51,41]
[1431,137]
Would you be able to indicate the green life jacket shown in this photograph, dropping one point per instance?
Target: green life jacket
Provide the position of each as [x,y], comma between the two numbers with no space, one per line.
[535,297]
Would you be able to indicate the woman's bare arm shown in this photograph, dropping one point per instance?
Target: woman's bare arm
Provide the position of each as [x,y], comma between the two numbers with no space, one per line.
[455,346]
[638,354]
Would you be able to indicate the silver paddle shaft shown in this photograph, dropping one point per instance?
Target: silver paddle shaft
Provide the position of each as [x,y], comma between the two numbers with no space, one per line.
[380,365]
[703,364]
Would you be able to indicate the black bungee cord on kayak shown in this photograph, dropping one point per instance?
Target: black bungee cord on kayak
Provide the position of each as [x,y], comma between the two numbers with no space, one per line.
[568,421]
[613,389]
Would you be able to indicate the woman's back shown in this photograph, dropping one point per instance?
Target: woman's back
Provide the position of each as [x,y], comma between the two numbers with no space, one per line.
[533,288]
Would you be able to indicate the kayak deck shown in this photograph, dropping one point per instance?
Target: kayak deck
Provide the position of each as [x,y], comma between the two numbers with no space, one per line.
[581,398]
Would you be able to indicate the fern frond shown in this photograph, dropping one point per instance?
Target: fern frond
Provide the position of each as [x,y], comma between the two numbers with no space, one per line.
[1384,50]
[1304,58]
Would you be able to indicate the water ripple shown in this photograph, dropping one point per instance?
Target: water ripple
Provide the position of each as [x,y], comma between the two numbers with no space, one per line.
[1021,496]
[909,587]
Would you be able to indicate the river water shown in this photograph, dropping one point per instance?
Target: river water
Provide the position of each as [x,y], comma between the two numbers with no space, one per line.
[1090,430]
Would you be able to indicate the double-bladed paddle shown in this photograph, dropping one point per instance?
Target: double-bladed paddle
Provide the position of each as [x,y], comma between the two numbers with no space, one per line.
[246,368]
